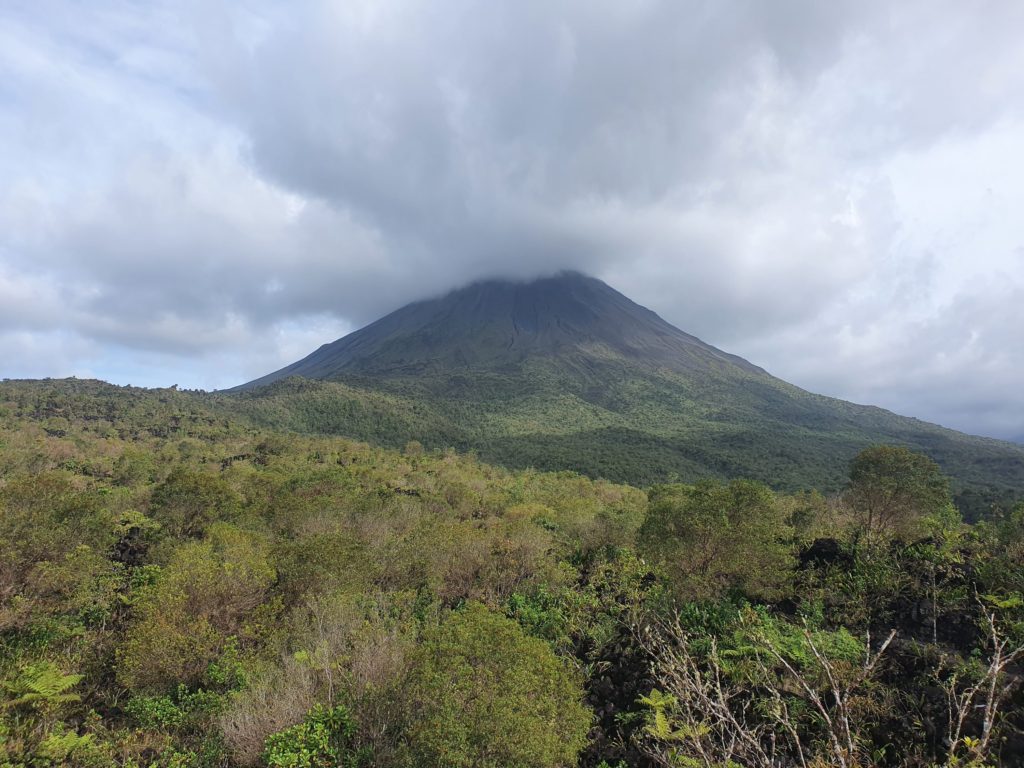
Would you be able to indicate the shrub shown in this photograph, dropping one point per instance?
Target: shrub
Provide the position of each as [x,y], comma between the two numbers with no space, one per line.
[713,536]
[484,694]
[275,701]
[199,600]
[322,740]
[188,501]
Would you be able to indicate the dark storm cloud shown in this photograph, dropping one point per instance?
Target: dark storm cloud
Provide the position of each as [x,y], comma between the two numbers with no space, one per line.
[823,187]
[516,138]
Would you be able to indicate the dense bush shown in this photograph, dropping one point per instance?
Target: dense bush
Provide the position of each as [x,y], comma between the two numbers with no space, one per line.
[322,740]
[179,588]
[713,537]
[484,694]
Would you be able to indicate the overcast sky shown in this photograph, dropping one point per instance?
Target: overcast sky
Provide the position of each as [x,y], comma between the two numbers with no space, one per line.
[197,193]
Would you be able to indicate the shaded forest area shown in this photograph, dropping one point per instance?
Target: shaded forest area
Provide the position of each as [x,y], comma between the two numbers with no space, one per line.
[181,588]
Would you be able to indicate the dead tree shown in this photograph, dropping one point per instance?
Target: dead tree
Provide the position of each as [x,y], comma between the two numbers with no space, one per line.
[703,715]
[985,695]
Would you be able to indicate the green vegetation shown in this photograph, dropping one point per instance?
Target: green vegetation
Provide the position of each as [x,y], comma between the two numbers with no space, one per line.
[180,586]
[893,490]
[485,694]
[604,418]
[567,373]
[711,537]
[321,740]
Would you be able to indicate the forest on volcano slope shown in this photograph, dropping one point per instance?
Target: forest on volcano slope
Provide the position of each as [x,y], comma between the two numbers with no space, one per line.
[565,372]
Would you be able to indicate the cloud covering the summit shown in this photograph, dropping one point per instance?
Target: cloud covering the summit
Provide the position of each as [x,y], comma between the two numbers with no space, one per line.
[200,192]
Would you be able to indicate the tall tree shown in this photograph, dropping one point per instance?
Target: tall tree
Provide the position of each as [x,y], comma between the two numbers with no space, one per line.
[892,489]
[713,536]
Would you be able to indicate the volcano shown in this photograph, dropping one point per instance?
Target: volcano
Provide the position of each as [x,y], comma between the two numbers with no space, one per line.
[565,372]
[498,324]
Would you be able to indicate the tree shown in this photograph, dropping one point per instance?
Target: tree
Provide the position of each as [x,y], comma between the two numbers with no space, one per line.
[484,694]
[893,489]
[187,502]
[712,536]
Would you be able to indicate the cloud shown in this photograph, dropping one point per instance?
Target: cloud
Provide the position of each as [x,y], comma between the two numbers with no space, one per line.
[822,187]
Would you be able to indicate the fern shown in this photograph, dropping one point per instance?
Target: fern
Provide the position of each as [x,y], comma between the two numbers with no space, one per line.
[40,685]
[61,746]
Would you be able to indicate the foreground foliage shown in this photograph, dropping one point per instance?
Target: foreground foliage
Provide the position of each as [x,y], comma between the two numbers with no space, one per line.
[178,588]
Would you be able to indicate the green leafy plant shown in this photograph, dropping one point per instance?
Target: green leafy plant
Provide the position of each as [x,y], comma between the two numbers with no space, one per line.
[41,686]
[322,740]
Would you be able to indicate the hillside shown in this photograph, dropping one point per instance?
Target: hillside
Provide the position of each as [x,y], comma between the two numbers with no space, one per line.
[567,373]
[179,589]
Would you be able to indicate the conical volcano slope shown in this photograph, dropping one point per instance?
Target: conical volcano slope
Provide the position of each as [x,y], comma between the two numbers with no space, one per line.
[495,324]
[567,373]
